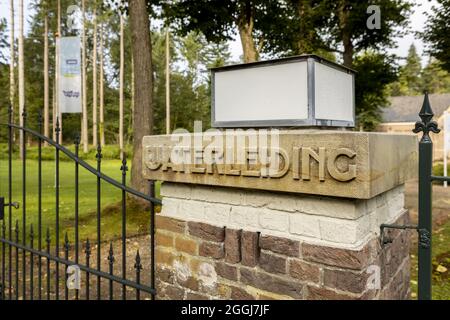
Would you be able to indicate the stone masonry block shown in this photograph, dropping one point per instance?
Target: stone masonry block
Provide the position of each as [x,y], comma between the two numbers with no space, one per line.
[245,216]
[176,190]
[217,213]
[304,225]
[274,220]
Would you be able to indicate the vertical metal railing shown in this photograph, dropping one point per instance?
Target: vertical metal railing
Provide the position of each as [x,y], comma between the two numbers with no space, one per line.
[77,186]
[40,207]
[10,228]
[124,170]
[152,188]
[426,126]
[57,135]
[24,207]
[99,236]
[31,258]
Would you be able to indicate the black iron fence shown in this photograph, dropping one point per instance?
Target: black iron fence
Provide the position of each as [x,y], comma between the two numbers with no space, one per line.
[426,178]
[37,264]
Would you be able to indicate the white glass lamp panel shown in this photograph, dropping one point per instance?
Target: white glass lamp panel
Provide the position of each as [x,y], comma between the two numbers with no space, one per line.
[275,92]
[333,94]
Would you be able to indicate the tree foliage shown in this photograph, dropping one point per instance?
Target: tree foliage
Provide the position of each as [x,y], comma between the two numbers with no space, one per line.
[437,31]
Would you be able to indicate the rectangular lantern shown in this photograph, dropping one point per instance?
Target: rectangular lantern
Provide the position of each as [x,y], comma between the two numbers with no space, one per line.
[300,91]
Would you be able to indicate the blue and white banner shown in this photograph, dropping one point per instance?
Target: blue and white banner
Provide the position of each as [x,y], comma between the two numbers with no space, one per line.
[69,80]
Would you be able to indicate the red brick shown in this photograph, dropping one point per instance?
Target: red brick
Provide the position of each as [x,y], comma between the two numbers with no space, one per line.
[304,271]
[280,245]
[345,280]
[316,293]
[272,263]
[232,246]
[211,250]
[227,271]
[170,224]
[342,258]
[249,248]
[271,283]
[206,231]
[240,294]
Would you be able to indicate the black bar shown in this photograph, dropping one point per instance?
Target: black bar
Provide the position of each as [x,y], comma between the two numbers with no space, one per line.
[77,253]
[436,178]
[425,197]
[10,231]
[83,268]
[40,209]
[88,263]
[124,169]
[66,257]
[24,205]
[99,254]
[152,237]
[2,289]
[48,240]
[425,219]
[85,165]
[16,231]
[111,261]
[57,131]
[31,263]
[138,267]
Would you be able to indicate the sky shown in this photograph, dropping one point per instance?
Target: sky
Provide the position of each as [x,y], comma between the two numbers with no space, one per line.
[417,22]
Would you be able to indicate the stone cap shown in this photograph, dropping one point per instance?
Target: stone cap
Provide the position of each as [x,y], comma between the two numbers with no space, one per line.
[347,164]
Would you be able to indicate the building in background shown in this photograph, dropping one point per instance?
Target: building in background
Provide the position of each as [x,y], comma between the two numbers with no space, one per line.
[402,113]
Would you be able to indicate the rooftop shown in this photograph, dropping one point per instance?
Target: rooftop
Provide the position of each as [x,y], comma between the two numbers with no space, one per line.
[406,108]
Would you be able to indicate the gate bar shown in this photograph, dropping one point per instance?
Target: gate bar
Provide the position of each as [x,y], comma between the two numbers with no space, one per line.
[425,196]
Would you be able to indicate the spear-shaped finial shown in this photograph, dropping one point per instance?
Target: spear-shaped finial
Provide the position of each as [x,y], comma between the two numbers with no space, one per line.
[426,125]
[88,248]
[111,258]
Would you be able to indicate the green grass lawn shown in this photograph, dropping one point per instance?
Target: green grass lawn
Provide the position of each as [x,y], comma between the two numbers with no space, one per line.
[137,217]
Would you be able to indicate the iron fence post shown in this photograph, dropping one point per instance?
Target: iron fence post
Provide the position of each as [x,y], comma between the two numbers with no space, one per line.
[425,197]
[425,209]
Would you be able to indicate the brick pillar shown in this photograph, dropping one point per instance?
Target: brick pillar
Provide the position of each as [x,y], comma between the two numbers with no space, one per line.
[231,243]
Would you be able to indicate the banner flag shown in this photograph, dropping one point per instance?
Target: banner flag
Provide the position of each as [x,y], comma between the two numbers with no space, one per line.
[447,130]
[69,81]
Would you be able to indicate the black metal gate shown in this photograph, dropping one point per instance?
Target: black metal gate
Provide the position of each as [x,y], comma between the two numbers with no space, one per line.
[426,178]
[37,263]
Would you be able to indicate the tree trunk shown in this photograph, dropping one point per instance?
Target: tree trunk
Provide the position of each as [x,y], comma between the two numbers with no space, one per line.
[12,80]
[306,36]
[143,87]
[344,16]
[94,83]
[84,125]
[245,25]
[102,97]
[132,93]
[167,81]
[121,85]
[21,75]
[46,79]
